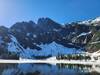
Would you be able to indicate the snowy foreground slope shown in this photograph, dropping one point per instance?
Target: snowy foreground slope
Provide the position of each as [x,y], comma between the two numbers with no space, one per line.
[52,49]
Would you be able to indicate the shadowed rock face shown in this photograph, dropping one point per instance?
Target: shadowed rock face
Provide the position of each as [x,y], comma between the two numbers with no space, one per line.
[31,35]
[47,31]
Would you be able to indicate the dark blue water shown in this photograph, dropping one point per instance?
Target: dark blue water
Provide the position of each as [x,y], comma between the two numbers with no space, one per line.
[48,69]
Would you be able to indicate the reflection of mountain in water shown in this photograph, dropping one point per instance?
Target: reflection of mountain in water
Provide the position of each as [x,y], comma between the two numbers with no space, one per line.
[47,69]
[82,68]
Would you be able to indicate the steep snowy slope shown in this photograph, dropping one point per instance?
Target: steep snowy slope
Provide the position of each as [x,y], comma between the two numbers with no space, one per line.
[52,49]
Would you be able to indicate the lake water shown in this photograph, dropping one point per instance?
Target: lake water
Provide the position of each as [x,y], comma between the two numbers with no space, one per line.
[49,69]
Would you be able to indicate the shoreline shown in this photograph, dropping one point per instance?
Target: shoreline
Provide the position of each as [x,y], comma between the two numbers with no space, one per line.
[51,61]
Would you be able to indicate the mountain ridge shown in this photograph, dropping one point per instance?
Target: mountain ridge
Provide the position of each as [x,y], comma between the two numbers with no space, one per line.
[29,36]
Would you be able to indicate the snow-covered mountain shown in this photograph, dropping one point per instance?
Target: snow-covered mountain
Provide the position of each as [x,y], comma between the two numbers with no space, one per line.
[47,38]
[95,21]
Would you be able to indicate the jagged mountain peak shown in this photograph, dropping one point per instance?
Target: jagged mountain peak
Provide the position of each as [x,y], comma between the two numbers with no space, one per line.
[23,26]
[23,23]
[41,23]
[44,20]
[3,27]
[47,23]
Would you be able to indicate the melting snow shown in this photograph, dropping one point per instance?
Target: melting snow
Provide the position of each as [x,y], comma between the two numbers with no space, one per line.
[83,34]
[28,34]
[12,46]
[56,30]
[34,36]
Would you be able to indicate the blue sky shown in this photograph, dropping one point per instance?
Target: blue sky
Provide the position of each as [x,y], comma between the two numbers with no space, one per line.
[62,11]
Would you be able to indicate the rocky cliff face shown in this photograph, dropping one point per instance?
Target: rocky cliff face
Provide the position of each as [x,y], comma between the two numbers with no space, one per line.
[48,38]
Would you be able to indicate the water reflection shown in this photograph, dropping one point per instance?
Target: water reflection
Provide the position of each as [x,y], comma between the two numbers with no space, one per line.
[48,69]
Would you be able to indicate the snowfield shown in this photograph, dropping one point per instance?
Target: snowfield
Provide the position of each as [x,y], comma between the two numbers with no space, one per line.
[52,49]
